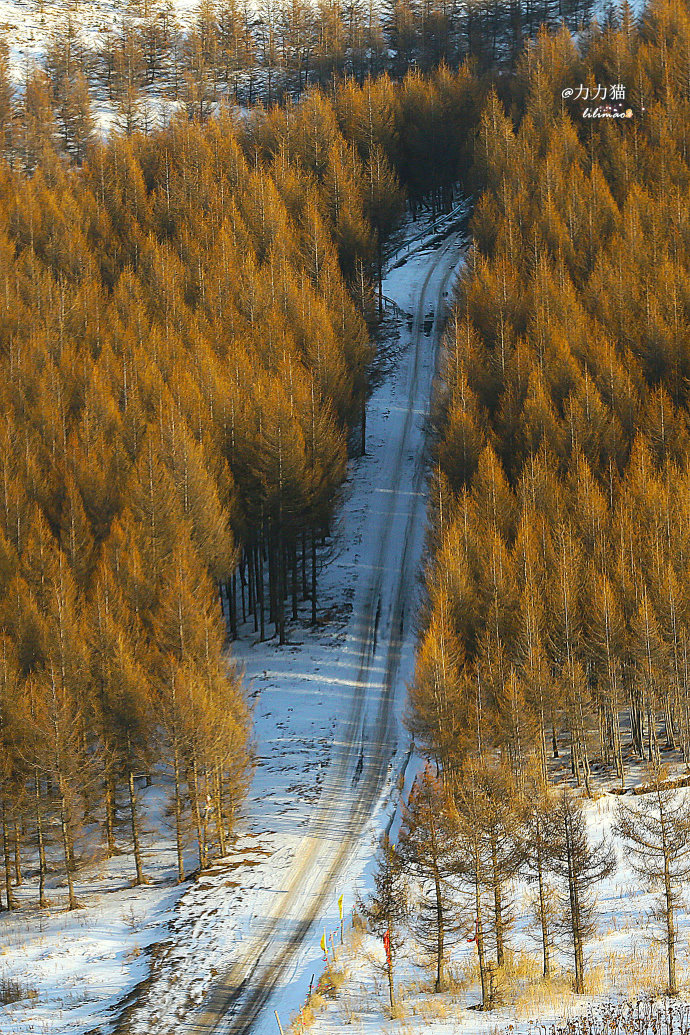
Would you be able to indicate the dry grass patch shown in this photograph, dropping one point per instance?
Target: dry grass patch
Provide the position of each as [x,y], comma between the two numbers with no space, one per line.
[433,1008]
[327,988]
[642,972]
[542,996]
[12,991]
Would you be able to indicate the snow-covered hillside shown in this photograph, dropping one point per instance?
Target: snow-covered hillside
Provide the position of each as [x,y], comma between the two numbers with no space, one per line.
[30,26]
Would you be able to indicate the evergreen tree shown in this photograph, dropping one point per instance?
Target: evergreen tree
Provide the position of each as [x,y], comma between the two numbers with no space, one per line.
[427,852]
[655,831]
[387,911]
[579,865]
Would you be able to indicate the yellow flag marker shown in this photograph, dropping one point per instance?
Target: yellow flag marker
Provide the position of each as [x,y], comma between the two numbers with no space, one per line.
[340,906]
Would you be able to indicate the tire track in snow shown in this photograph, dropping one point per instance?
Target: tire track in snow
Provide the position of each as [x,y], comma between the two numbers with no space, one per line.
[345,805]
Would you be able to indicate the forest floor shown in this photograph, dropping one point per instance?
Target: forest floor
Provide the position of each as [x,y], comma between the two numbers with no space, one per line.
[330,752]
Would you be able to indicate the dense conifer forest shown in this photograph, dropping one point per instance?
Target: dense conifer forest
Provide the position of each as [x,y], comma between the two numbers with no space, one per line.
[558,614]
[187,317]
[555,639]
[185,351]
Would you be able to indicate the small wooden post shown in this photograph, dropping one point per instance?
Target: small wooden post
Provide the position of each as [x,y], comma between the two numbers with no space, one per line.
[280,1026]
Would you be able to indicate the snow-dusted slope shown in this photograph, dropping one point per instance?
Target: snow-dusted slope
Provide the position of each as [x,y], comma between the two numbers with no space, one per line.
[29,25]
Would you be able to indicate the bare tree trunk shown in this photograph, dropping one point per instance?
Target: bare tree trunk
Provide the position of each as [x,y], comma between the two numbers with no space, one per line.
[603,737]
[67,846]
[304,564]
[135,831]
[70,838]
[280,578]
[220,826]
[440,926]
[251,588]
[668,721]
[574,913]
[272,601]
[617,747]
[543,918]
[579,963]
[498,905]
[11,901]
[178,812]
[542,747]
[313,576]
[41,844]
[17,854]
[110,816]
[197,815]
[670,930]
[260,590]
[232,585]
[293,558]
[480,931]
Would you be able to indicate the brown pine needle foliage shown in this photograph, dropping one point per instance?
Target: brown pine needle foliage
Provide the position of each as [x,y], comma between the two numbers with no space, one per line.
[181,362]
[557,621]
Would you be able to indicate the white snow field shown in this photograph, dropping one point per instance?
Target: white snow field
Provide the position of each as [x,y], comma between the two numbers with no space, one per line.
[330,747]
[28,25]
[68,968]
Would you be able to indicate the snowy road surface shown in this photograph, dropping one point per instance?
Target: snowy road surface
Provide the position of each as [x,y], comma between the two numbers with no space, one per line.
[381,622]
[244,937]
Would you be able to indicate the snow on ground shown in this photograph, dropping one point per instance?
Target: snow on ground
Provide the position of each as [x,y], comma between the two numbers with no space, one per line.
[73,969]
[624,961]
[29,25]
[68,967]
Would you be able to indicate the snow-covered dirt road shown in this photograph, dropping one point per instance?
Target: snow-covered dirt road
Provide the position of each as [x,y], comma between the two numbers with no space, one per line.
[327,713]
[366,739]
